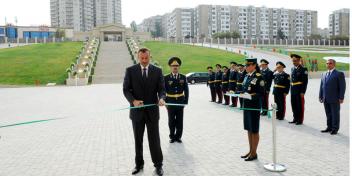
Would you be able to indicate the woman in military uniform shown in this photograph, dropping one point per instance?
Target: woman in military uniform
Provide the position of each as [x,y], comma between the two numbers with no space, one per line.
[281,89]
[254,87]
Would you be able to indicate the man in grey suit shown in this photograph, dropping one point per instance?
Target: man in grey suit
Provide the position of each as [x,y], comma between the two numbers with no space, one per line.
[332,92]
[144,85]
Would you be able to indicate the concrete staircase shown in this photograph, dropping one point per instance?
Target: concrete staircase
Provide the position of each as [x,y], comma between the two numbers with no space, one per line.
[113,59]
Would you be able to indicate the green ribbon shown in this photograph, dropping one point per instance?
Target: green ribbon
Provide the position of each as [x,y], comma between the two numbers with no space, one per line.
[120,109]
[251,109]
[30,122]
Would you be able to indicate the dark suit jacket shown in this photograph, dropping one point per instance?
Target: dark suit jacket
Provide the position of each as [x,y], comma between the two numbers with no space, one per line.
[332,88]
[150,91]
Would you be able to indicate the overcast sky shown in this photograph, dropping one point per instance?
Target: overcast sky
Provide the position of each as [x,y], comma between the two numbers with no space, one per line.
[36,12]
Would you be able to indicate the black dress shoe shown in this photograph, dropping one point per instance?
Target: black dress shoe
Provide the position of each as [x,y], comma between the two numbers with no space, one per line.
[136,170]
[172,140]
[245,156]
[232,106]
[326,130]
[333,132]
[179,140]
[218,102]
[251,158]
[159,171]
[280,118]
[299,123]
[292,122]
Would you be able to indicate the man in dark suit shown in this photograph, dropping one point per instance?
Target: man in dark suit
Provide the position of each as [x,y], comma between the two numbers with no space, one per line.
[332,92]
[143,85]
[176,92]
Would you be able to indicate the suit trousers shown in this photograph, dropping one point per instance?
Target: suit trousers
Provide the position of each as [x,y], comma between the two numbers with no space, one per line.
[332,111]
[153,138]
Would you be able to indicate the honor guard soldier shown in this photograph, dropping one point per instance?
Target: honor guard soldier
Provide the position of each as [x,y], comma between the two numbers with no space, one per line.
[225,84]
[232,82]
[267,75]
[218,82]
[211,83]
[176,92]
[254,85]
[240,77]
[299,82]
[281,89]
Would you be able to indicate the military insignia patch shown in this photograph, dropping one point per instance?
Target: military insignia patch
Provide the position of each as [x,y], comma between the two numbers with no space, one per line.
[182,81]
[306,72]
[170,82]
[262,83]
[254,81]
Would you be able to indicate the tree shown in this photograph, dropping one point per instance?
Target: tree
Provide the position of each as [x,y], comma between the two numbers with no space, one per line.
[339,37]
[60,33]
[280,34]
[134,26]
[315,37]
[236,34]
[158,29]
[222,35]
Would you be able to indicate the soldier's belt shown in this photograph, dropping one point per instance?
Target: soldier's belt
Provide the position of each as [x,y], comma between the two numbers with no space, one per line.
[225,82]
[239,83]
[175,95]
[232,81]
[279,86]
[211,82]
[217,81]
[296,83]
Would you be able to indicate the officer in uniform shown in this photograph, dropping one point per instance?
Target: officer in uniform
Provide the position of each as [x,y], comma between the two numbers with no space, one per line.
[218,82]
[240,77]
[281,89]
[176,92]
[225,84]
[268,76]
[299,82]
[232,83]
[211,83]
[254,85]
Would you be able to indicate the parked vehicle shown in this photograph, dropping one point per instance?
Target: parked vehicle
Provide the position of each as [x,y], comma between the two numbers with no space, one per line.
[197,77]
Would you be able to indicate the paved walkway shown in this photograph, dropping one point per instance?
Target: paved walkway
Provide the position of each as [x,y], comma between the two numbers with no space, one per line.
[255,53]
[112,61]
[95,139]
[13,45]
[261,54]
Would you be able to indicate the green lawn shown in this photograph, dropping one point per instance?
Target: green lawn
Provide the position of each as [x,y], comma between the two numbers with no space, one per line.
[194,58]
[321,61]
[313,55]
[44,62]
